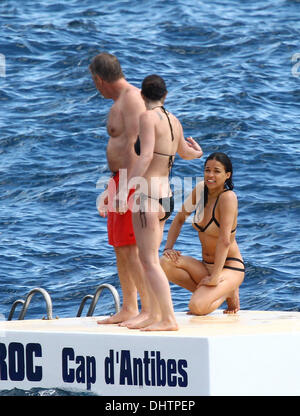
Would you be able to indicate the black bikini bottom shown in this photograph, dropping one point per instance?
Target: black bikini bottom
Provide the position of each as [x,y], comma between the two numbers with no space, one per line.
[230,267]
[167,203]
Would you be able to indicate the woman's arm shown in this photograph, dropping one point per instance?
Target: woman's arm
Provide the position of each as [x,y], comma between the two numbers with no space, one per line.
[147,143]
[175,229]
[188,148]
[173,234]
[187,208]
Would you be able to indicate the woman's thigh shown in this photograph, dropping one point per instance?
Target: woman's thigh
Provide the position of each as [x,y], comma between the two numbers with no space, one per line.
[194,267]
[148,233]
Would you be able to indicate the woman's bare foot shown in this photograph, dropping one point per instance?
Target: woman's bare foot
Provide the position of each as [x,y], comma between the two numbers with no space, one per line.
[123,315]
[136,320]
[149,320]
[162,326]
[233,303]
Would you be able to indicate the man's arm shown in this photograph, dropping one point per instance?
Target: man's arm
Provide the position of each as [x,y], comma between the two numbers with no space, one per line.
[132,107]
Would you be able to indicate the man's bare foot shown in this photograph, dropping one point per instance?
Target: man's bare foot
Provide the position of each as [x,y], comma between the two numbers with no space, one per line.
[123,315]
[136,320]
[233,303]
[162,326]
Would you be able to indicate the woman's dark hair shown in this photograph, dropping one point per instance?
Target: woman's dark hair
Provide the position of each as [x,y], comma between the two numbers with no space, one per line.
[154,87]
[226,162]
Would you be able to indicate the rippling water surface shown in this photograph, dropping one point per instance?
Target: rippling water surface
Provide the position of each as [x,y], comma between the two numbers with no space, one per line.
[231,68]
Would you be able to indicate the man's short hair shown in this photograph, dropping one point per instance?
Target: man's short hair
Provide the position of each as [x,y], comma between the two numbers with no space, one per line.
[107,67]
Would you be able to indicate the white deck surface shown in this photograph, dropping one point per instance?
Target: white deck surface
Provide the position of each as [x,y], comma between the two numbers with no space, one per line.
[215,324]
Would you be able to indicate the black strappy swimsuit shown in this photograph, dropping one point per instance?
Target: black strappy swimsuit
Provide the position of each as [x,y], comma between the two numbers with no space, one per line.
[213,219]
[167,202]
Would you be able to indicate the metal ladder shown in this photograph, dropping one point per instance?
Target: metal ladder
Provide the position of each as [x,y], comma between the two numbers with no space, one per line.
[95,298]
[48,301]
[27,301]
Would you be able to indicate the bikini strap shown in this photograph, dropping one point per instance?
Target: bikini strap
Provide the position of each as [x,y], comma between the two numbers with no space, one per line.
[213,218]
[171,128]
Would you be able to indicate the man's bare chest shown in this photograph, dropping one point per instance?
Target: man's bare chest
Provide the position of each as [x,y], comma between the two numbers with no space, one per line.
[115,123]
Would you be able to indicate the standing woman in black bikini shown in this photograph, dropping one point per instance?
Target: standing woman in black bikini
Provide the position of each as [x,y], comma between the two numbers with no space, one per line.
[160,137]
[220,273]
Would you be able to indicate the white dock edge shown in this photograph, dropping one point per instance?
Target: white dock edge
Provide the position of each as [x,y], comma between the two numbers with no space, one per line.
[252,353]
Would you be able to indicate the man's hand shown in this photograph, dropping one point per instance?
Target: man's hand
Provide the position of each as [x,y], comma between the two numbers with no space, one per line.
[120,203]
[102,203]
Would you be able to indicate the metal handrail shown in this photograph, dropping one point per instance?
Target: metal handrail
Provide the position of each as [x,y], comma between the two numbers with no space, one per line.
[96,296]
[83,303]
[13,308]
[27,301]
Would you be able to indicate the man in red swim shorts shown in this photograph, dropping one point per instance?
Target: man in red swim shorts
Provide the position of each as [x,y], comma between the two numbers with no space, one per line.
[122,127]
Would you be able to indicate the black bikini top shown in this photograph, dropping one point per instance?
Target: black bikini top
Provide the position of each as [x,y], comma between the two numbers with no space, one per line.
[137,144]
[213,218]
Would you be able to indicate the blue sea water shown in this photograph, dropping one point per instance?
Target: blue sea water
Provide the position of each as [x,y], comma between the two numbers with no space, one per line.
[233,74]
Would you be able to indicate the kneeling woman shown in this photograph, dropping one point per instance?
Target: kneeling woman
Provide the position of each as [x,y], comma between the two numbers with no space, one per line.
[220,273]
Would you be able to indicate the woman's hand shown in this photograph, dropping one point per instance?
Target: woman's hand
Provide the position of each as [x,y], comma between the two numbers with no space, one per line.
[194,145]
[210,281]
[172,254]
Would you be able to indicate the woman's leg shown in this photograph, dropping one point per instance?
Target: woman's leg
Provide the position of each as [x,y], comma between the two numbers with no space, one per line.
[186,272]
[135,271]
[206,299]
[148,237]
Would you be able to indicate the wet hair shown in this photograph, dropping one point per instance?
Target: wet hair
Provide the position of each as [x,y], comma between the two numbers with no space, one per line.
[154,87]
[226,162]
[107,67]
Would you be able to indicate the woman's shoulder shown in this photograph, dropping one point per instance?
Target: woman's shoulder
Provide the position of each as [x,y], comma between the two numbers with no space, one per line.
[228,196]
[147,117]
[176,121]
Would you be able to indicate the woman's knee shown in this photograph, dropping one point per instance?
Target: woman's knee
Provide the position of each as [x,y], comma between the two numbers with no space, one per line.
[165,262]
[167,265]
[198,307]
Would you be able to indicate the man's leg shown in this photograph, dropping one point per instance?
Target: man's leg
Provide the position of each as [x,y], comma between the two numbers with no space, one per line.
[131,280]
[129,291]
[121,237]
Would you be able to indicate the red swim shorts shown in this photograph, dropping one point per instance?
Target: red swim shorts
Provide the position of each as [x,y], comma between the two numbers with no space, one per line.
[119,227]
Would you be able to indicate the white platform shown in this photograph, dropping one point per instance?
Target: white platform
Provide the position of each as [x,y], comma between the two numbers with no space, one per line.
[251,353]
